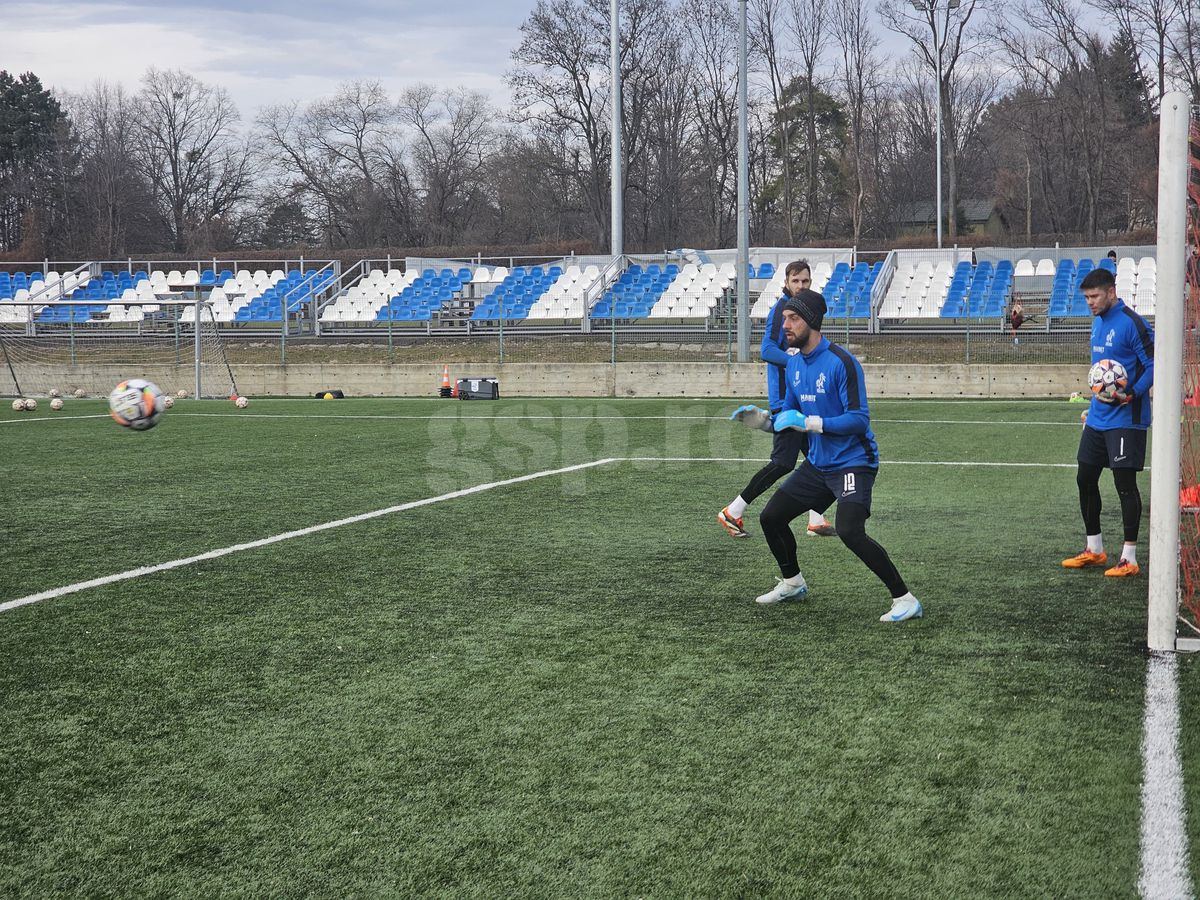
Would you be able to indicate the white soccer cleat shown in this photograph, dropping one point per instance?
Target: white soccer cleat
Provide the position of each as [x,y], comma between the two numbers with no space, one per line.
[783,591]
[906,607]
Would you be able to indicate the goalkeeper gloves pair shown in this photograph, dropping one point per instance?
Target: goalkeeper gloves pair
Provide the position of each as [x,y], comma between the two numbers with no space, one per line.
[761,419]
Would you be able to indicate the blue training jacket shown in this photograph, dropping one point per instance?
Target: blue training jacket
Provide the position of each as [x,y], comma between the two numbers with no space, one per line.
[775,355]
[1123,335]
[829,383]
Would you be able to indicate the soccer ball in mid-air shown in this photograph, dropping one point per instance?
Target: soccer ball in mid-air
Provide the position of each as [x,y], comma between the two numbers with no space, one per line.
[168,401]
[18,405]
[241,402]
[1108,380]
[30,404]
[79,394]
[56,404]
[136,404]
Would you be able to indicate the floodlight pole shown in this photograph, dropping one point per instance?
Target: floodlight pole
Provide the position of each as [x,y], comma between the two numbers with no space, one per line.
[1168,371]
[938,46]
[931,7]
[617,199]
[743,198]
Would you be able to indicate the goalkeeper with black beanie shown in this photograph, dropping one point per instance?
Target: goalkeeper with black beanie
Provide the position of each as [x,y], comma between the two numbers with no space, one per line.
[826,399]
[787,446]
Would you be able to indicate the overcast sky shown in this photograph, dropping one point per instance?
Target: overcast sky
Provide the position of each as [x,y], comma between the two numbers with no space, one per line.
[266,51]
[271,51]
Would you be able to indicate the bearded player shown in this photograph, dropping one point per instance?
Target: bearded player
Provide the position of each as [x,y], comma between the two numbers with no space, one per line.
[826,398]
[787,446]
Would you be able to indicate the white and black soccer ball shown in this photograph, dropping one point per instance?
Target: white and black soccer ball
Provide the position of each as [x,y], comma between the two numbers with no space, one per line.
[54,392]
[1108,380]
[182,395]
[56,404]
[168,401]
[79,393]
[18,405]
[241,402]
[30,404]
[136,404]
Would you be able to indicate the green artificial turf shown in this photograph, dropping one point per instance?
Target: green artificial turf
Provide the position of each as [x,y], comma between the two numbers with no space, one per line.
[560,687]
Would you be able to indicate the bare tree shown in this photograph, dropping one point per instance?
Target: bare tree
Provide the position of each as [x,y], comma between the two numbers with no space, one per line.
[809,23]
[1184,41]
[766,26]
[188,148]
[859,73]
[1157,18]
[453,142]
[346,154]
[1066,62]
[113,198]
[955,49]
[560,90]
[712,40]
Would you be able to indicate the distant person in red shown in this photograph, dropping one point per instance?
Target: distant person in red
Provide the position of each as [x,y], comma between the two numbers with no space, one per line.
[1016,318]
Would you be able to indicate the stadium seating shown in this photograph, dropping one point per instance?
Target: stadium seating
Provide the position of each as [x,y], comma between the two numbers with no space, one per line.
[364,301]
[419,299]
[517,294]
[638,291]
[567,295]
[696,290]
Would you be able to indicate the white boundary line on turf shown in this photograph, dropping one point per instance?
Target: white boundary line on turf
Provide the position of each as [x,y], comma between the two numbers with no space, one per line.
[414,504]
[288,535]
[1165,871]
[884,464]
[54,419]
[487,418]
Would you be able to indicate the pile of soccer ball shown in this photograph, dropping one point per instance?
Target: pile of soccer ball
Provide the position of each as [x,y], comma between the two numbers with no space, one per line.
[1109,381]
[28,404]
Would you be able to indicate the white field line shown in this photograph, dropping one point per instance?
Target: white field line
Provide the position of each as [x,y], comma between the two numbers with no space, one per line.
[375,514]
[971,464]
[53,419]
[1165,871]
[287,536]
[487,418]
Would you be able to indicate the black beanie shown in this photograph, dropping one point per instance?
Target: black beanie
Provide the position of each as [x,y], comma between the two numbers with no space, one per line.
[808,305]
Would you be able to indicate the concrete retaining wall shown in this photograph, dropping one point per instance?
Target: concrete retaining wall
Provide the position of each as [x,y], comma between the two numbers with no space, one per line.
[688,379]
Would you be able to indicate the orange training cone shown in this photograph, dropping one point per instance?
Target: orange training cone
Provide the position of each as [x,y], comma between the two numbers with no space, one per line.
[447,390]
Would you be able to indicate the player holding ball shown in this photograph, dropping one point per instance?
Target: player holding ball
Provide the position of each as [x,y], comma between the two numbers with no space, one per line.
[1114,433]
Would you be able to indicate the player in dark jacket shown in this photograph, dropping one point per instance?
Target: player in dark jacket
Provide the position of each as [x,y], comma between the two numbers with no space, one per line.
[787,446]
[827,400]
[1114,436]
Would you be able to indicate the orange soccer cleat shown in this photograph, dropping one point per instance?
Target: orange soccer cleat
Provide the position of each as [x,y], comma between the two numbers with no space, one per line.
[1123,569]
[1085,559]
[732,525]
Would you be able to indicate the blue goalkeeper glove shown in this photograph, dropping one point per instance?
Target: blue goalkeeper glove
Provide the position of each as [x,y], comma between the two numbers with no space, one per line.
[753,417]
[797,421]
[789,418]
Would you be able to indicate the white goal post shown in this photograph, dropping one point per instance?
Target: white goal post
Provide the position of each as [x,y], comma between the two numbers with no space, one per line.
[68,347]
[1168,371]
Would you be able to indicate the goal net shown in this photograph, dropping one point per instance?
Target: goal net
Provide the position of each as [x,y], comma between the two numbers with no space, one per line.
[1189,450]
[69,347]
